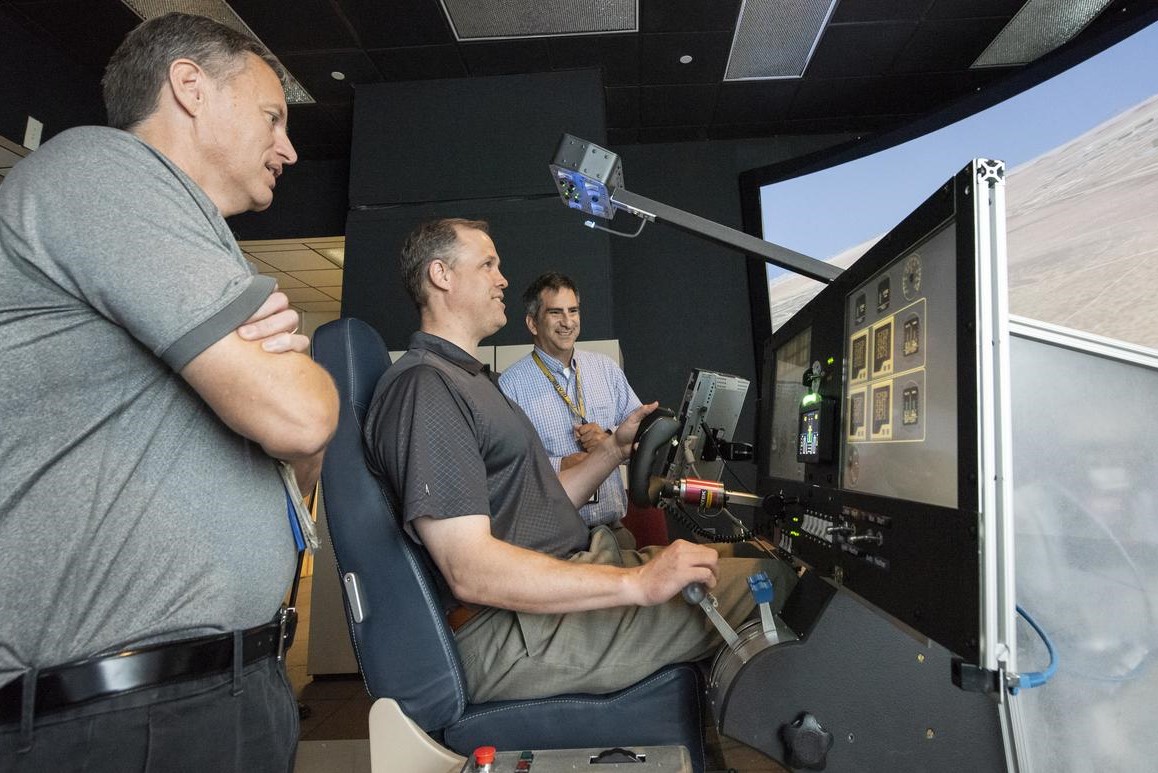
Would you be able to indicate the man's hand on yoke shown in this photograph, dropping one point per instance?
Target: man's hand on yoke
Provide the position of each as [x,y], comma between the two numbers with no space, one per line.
[624,437]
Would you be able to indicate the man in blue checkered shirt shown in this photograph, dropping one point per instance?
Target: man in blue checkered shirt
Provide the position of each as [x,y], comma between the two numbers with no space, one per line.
[573,397]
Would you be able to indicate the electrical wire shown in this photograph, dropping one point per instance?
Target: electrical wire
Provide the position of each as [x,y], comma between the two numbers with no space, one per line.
[1036,678]
[677,511]
[638,231]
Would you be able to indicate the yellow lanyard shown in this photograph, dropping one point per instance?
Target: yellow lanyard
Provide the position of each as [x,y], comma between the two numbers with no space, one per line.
[579,412]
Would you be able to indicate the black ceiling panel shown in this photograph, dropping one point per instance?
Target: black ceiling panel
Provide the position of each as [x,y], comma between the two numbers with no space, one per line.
[660,57]
[616,55]
[859,49]
[416,63]
[857,125]
[303,25]
[695,133]
[744,131]
[755,102]
[880,64]
[973,9]
[676,105]
[506,57]
[315,72]
[397,22]
[687,15]
[883,95]
[879,10]
[88,31]
[622,106]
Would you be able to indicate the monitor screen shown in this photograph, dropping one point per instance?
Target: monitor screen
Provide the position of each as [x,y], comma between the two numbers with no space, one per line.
[789,362]
[708,415]
[899,434]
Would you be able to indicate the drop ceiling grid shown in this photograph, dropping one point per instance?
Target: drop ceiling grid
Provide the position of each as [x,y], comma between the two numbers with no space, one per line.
[310,278]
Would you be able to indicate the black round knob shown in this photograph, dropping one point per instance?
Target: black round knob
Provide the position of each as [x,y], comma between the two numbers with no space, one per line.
[808,742]
[694,593]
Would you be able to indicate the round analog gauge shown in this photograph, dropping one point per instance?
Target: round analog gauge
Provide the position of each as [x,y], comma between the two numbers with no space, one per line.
[911,276]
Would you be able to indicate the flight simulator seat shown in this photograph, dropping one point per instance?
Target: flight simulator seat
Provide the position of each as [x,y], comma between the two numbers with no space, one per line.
[404,646]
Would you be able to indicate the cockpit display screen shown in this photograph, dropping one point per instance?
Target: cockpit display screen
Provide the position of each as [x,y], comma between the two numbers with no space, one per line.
[899,433]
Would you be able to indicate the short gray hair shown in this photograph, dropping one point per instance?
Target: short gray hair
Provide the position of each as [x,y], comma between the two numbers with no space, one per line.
[139,67]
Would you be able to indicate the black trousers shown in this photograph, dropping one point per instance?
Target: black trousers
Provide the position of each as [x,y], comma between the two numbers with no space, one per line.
[223,723]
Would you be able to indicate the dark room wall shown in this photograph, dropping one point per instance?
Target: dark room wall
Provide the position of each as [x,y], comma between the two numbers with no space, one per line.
[674,300]
[46,83]
[474,148]
[39,81]
[309,202]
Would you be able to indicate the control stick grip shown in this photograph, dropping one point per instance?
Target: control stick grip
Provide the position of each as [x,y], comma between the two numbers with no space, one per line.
[694,593]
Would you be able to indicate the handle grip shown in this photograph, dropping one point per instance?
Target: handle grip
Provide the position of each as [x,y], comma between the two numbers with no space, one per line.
[655,432]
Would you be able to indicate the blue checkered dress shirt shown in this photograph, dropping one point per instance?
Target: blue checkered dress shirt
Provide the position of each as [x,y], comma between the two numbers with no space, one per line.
[607,397]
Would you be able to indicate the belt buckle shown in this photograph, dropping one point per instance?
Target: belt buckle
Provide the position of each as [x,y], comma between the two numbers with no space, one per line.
[286,619]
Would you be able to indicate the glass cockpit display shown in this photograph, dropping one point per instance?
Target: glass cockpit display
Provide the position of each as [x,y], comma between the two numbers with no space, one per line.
[899,433]
[898,352]
[789,364]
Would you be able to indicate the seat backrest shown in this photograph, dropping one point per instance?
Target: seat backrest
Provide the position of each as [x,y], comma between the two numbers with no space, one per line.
[404,646]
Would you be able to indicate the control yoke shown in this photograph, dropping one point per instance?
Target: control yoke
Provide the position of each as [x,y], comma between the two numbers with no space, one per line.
[655,432]
[655,435]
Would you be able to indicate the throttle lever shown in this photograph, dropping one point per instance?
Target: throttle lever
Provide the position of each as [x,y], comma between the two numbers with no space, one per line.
[697,593]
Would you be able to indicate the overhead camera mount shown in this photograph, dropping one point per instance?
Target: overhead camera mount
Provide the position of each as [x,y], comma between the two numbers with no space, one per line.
[590,178]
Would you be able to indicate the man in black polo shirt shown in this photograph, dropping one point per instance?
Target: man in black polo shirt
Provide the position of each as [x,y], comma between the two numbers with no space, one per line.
[542,605]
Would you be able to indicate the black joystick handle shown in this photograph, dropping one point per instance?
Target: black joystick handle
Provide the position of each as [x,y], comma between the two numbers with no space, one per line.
[694,593]
[808,743]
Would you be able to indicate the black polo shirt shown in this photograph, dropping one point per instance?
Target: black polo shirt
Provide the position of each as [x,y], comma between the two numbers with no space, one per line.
[448,443]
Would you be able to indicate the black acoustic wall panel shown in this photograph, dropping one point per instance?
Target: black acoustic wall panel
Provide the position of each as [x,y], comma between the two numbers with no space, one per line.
[310,201]
[531,236]
[444,140]
[39,81]
[477,148]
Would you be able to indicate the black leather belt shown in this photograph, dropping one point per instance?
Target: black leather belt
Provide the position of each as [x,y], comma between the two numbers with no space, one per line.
[72,684]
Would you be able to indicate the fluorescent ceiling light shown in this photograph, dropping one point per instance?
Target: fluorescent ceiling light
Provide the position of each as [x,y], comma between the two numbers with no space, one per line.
[219,11]
[1038,28]
[336,255]
[776,38]
[502,19]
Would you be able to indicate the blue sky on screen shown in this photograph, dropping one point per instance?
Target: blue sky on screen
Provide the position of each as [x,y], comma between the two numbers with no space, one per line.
[827,212]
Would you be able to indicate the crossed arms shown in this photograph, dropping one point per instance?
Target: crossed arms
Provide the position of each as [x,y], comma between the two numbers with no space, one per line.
[262,384]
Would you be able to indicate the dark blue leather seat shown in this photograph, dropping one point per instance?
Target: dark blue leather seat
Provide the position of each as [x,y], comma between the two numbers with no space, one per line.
[405,648]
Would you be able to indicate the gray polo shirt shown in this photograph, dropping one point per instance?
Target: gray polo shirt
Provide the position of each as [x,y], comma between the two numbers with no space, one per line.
[129,513]
[448,443]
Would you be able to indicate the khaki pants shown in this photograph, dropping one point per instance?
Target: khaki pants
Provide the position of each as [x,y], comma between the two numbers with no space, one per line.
[515,655]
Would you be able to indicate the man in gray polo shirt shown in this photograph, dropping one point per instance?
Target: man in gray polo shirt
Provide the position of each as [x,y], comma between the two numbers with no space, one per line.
[542,606]
[150,381]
